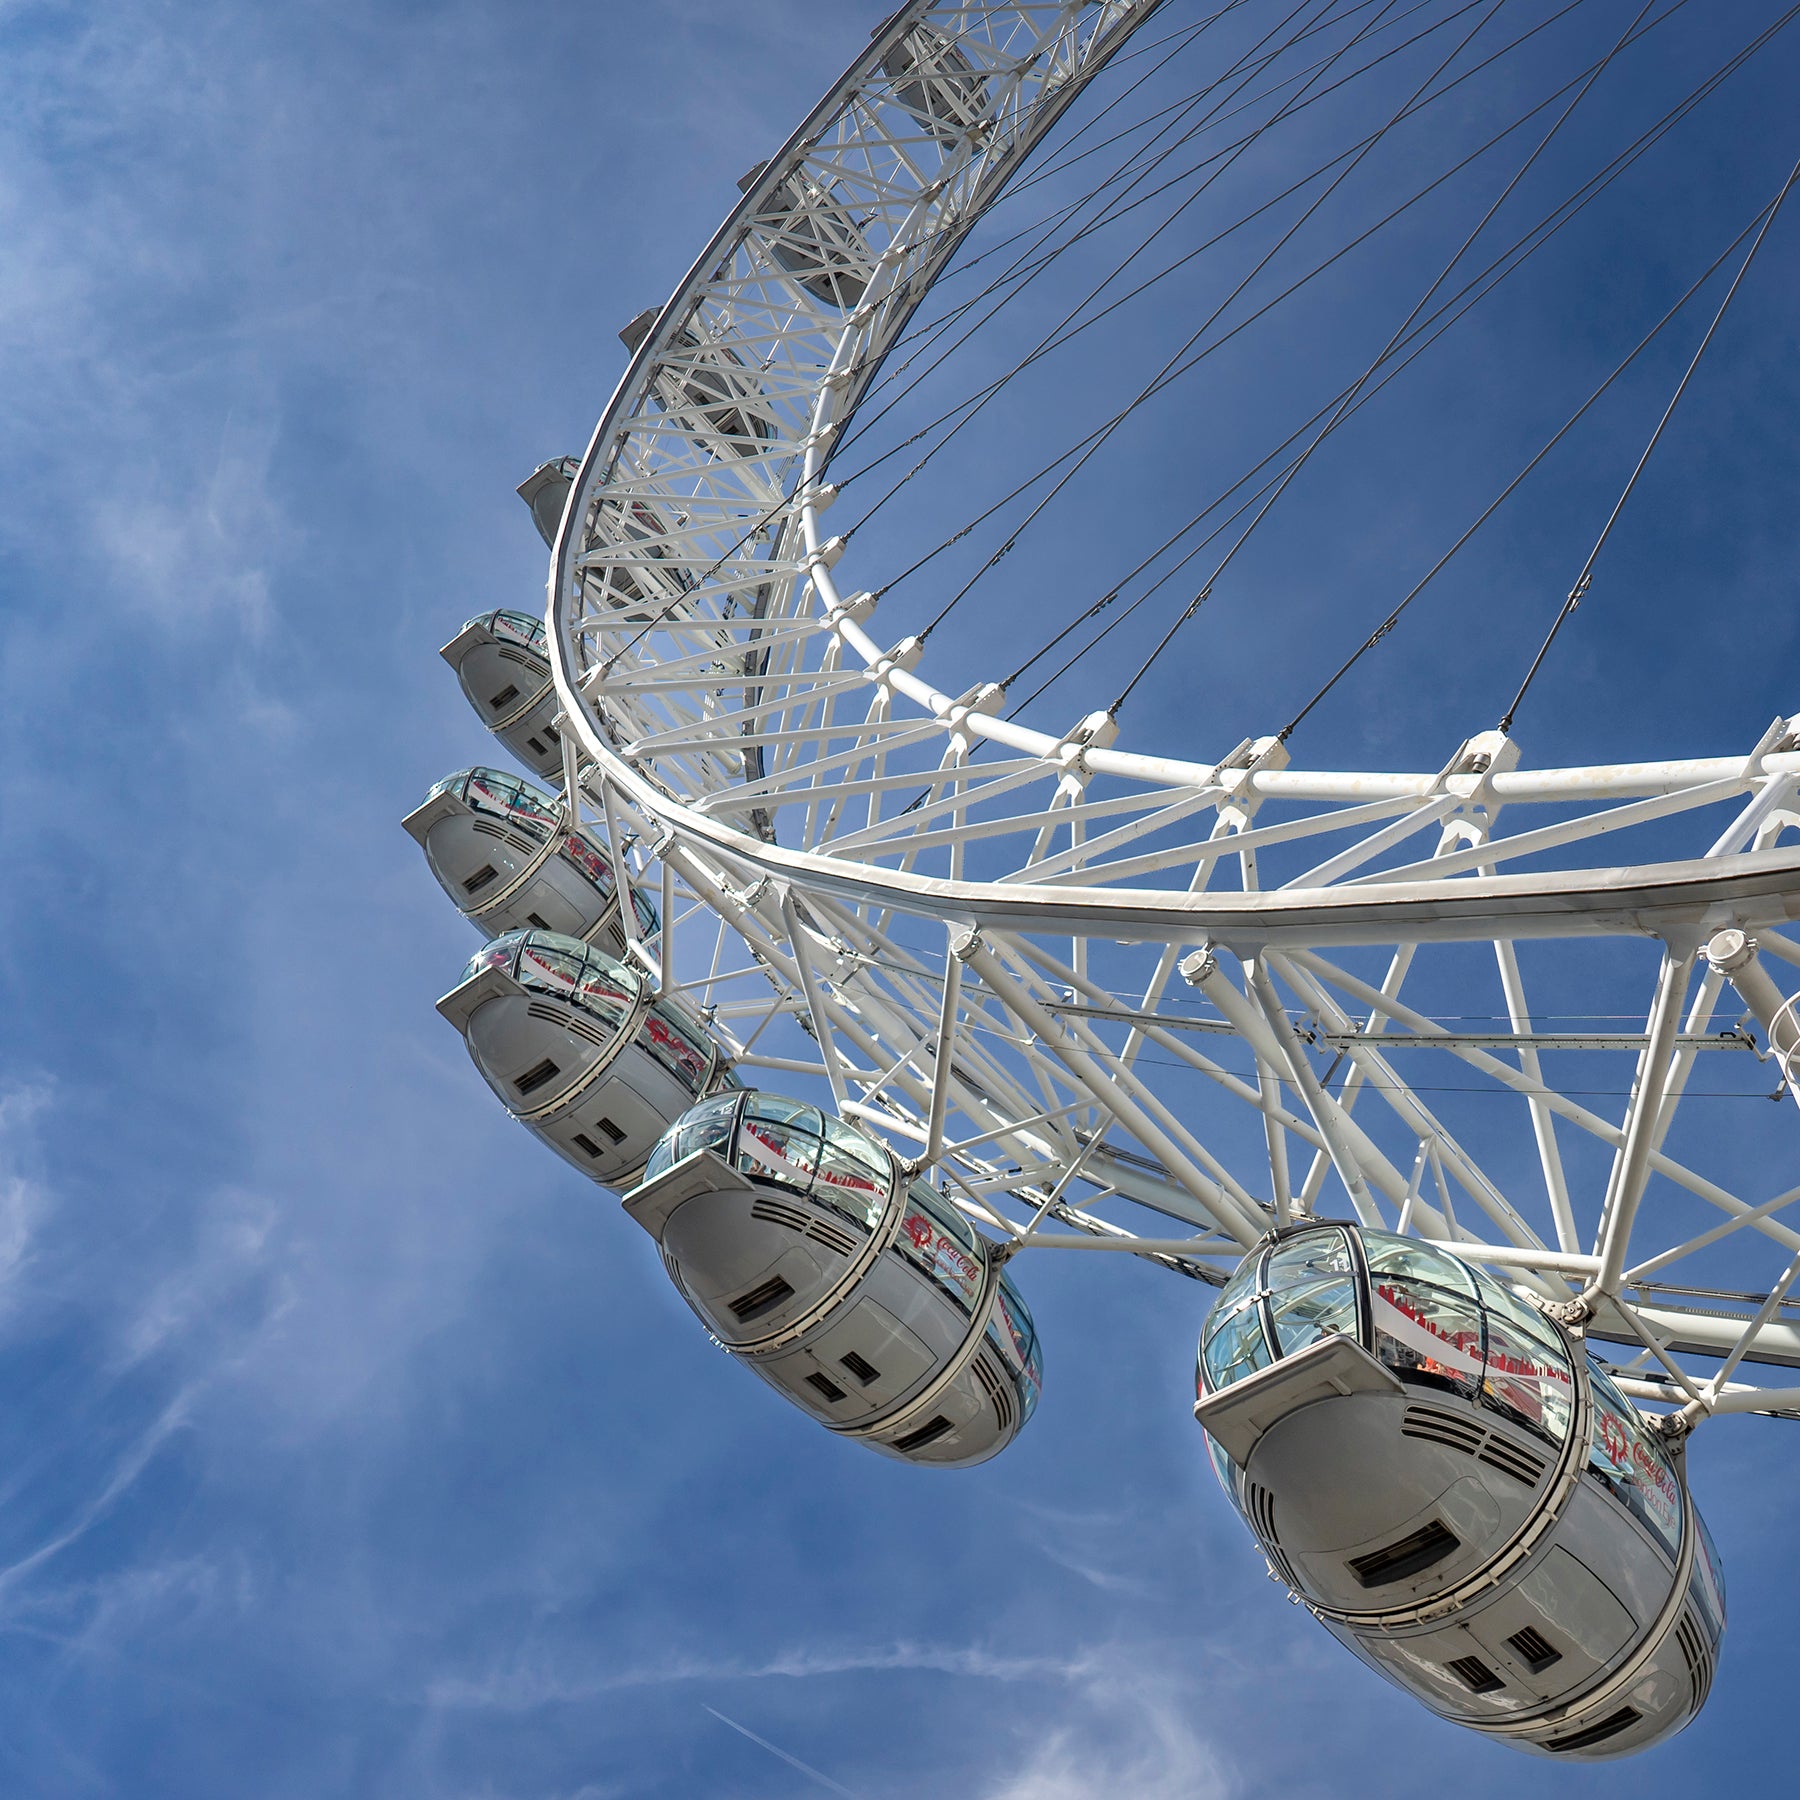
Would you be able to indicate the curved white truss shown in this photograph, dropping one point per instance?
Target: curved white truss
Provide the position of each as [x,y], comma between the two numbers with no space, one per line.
[1030,966]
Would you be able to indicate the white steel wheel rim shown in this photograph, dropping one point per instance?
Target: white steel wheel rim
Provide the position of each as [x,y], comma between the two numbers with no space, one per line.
[659,726]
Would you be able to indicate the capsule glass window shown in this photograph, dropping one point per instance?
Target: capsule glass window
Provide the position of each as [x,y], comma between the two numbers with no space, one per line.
[707,1127]
[1528,1380]
[567,968]
[505,797]
[590,862]
[1430,1336]
[934,1235]
[1626,1459]
[679,1044]
[1708,1584]
[497,955]
[855,1173]
[1391,1255]
[779,1141]
[521,627]
[1312,1290]
[1015,1322]
[1234,1344]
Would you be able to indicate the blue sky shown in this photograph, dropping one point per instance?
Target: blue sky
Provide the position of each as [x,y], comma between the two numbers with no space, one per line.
[353,1445]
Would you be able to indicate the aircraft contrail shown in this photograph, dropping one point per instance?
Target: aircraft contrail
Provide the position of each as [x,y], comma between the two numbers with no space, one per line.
[824,1781]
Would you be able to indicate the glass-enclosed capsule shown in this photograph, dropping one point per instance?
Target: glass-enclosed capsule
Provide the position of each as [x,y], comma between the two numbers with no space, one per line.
[505,854]
[1459,1494]
[502,660]
[865,1298]
[812,235]
[546,491]
[935,82]
[711,384]
[581,1051]
[626,569]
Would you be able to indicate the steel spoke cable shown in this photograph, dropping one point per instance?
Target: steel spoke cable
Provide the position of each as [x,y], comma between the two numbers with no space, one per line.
[1247,61]
[1086,444]
[1479,286]
[1459,303]
[1293,471]
[1023,271]
[1186,105]
[1206,324]
[772,512]
[1587,569]
[1091,445]
[1521,249]
[1435,328]
[1067,331]
[1650,136]
[1063,160]
[1436,325]
[1199,356]
[1324,7]
[1388,624]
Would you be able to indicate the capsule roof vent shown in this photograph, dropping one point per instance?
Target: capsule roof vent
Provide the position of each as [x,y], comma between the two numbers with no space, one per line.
[1262,1521]
[1436,1426]
[775,1212]
[1456,1431]
[934,1428]
[567,1019]
[1411,1555]
[999,1392]
[763,1298]
[1475,1675]
[537,1076]
[1598,1733]
[1506,1456]
[1262,1512]
[1699,1658]
[1533,1649]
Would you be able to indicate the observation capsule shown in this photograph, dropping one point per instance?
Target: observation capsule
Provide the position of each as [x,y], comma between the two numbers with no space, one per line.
[546,491]
[866,1299]
[580,1051]
[503,852]
[502,660]
[936,83]
[709,383]
[812,235]
[1459,1494]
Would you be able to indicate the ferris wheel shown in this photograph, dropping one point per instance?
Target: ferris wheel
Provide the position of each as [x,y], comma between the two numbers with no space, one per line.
[1039,991]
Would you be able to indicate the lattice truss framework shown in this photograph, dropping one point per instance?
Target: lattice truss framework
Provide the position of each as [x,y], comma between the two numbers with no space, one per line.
[1077,981]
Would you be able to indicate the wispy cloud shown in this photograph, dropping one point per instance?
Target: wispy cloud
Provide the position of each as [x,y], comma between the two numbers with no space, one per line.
[1133,1732]
[24,1198]
[532,1684]
[124,1475]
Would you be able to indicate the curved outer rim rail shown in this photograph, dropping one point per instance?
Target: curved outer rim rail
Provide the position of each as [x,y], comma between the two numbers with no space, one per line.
[814,916]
